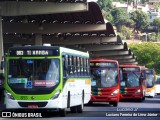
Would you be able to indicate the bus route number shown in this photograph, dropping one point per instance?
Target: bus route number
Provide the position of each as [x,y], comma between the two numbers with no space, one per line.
[24,98]
[19,52]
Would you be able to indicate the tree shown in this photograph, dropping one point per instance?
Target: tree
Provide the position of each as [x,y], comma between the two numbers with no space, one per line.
[105,5]
[144,1]
[107,15]
[156,22]
[148,54]
[152,37]
[126,32]
[141,20]
[120,18]
[157,5]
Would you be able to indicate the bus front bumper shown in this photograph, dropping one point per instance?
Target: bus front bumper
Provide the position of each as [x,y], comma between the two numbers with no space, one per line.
[151,93]
[105,98]
[38,104]
[131,96]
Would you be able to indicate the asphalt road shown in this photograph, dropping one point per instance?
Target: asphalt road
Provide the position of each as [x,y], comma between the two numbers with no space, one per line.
[147,110]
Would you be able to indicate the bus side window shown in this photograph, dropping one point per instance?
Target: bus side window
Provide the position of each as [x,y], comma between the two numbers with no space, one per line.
[85,67]
[75,65]
[65,66]
[88,68]
[81,70]
[78,66]
[70,65]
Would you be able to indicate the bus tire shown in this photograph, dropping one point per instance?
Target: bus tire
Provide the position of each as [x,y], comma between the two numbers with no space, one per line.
[140,100]
[89,103]
[73,109]
[62,112]
[115,104]
[143,98]
[68,100]
[80,107]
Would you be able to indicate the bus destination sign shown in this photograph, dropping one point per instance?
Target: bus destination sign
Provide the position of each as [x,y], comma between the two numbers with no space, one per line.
[132,69]
[149,71]
[34,52]
[103,64]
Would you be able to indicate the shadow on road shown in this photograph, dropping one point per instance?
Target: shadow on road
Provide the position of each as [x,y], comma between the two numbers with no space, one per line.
[100,104]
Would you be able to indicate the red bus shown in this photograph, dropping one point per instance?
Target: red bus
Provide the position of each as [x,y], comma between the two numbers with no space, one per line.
[132,82]
[105,82]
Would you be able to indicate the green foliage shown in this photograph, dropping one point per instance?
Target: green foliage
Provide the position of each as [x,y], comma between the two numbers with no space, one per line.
[120,18]
[144,1]
[118,14]
[105,5]
[126,32]
[123,37]
[141,20]
[107,15]
[157,5]
[148,54]
[152,37]
[156,22]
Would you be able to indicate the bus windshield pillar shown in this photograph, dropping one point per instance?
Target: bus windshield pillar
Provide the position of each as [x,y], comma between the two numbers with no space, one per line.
[1,41]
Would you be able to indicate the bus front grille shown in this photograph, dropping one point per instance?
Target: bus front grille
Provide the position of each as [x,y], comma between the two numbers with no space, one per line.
[26,104]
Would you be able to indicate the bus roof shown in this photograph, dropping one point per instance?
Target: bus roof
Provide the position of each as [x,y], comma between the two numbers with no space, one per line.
[72,51]
[61,49]
[129,65]
[102,60]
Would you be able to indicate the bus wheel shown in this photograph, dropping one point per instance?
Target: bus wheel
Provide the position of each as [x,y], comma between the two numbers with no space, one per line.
[68,100]
[62,112]
[143,98]
[89,103]
[73,109]
[140,100]
[80,107]
[115,104]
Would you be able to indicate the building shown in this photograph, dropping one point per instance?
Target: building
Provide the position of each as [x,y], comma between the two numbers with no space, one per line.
[153,14]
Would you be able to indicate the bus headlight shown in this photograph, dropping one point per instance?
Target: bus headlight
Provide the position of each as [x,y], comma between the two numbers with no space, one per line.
[56,95]
[115,92]
[9,95]
[138,91]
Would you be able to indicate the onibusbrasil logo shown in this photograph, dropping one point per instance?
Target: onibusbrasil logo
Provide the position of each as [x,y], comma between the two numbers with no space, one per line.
[20,115]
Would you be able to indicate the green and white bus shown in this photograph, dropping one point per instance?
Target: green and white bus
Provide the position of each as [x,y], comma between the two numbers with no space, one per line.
[47,77]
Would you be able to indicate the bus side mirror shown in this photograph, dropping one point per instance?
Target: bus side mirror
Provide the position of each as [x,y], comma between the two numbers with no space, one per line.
[2,65]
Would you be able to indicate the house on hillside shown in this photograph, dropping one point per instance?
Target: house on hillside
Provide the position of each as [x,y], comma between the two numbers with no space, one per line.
[153,1]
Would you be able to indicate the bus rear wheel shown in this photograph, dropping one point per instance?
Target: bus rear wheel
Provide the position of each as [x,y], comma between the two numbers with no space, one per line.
[62,112]
[73,109]
[80,107]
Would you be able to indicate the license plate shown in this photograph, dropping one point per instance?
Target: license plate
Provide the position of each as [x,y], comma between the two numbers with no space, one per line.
[32,106]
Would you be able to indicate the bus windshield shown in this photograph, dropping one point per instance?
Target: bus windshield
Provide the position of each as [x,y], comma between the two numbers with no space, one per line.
[130,79]
[104,77]
[34,75]
[158,80]
[150,80]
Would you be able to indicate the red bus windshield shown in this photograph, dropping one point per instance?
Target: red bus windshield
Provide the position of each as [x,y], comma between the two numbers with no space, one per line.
[130,79]
[106,77]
